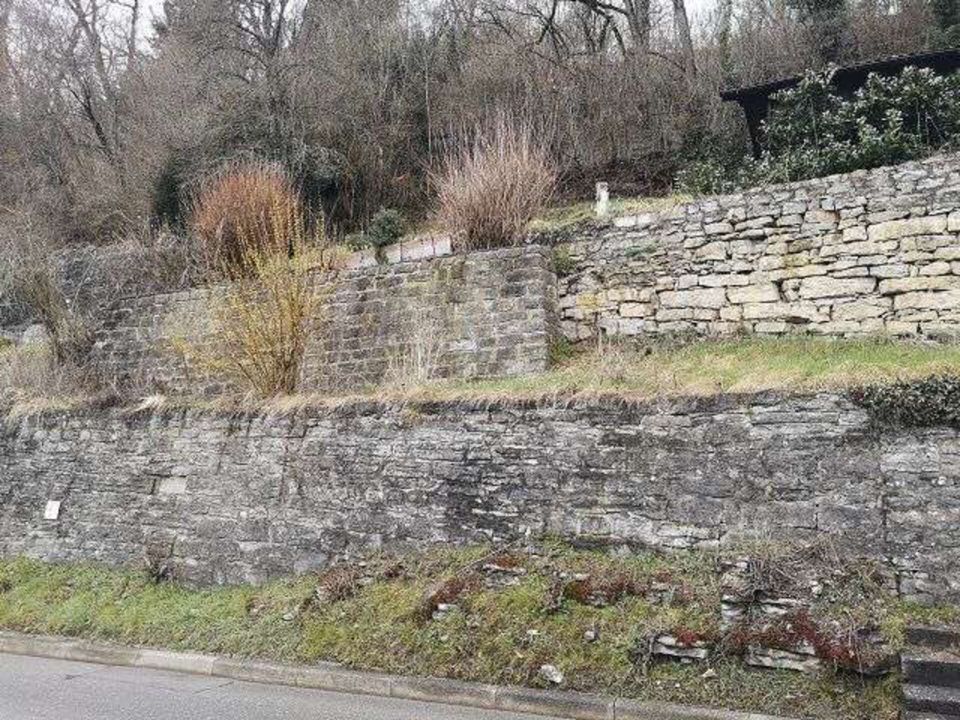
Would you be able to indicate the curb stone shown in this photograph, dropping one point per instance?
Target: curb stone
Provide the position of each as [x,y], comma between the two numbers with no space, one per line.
[335,678]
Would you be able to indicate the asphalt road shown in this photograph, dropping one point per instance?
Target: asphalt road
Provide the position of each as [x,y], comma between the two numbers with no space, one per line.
[41,689]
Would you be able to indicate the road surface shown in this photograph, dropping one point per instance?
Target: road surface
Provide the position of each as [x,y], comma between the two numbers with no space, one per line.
[42,689]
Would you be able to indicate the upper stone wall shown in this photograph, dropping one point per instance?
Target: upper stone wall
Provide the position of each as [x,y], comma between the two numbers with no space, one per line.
[869,252]
[486,314]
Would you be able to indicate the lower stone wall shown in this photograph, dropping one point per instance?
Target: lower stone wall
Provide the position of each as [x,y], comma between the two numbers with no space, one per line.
[482,315]
[252,497]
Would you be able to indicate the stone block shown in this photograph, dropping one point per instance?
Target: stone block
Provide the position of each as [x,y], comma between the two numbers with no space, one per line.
[896,286]
[945,300]
[764,293]
[863,309]
[635,310]
[896,229]
[826,287]
[706,298]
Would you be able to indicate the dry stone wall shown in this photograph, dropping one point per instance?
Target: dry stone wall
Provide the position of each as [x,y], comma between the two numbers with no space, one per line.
[870,252]
[252,497]
[486,314]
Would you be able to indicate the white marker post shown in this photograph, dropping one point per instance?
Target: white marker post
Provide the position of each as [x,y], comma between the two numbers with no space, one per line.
[603,200]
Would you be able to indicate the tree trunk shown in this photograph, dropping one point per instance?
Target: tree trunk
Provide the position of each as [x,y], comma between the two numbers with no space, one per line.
[638,17]
[682,23]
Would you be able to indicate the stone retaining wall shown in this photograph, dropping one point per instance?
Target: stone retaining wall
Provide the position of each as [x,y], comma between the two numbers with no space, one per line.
[866,253]
[486,314]
[252,497]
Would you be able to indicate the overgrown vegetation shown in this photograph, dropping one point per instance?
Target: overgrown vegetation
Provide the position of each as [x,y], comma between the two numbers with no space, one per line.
[813,131]
[670,369]
[492,185]
[256,241]
[926,402]
[505,614]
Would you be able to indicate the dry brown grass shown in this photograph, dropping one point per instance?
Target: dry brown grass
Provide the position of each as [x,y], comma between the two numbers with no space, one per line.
[30,275]
[246,208]
[491,186]
[33,382]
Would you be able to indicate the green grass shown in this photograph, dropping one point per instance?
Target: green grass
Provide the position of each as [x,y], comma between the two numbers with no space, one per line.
[709,368]
[656,370]
[498,634]
[567,216]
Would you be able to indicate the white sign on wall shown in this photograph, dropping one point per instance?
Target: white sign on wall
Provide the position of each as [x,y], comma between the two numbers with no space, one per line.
[52,511]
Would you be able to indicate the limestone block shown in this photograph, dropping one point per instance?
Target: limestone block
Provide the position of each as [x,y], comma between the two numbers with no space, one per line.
[901,327]
[708,298]
[854,234]
[896,286]
[896,229]
[712,251]
[635,310]
[768,327]
[892,270]
[720,228]
[936,268]
[764,293]
[953,221]
[674,314]
[946,300]
[947,253]
[798,311]
[754,223]
[863,309]
[824,287]
[725,280]
[868,247]
[731,314]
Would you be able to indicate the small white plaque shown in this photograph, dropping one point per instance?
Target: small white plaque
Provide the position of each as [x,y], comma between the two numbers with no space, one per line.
[52,511]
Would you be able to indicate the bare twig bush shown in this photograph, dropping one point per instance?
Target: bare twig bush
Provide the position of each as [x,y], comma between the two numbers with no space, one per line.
[418,361]
[32,277]
[245,205]
[491,185]
[270,300]
[33,380]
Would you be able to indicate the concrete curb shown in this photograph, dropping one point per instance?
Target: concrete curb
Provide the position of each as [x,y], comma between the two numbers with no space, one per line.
[335,678]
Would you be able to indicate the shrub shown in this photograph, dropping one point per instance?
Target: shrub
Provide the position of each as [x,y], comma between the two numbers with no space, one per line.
[923,403]
[386,228]
[30,275]
[812,131]
[243,211]
[271,302]
[491,186]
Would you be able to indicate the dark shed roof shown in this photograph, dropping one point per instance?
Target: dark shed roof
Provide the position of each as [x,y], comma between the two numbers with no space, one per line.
[755,99]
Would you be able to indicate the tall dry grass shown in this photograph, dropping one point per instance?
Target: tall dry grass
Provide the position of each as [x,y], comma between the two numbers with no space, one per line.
[491,185]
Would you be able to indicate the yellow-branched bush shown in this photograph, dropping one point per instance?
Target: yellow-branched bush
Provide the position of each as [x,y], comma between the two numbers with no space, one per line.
[270,298]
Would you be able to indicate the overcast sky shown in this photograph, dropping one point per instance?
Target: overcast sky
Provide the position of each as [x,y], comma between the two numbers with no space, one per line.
[694,8]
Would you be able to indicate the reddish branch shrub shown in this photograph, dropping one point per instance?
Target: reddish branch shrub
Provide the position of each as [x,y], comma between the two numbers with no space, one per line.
[245,204]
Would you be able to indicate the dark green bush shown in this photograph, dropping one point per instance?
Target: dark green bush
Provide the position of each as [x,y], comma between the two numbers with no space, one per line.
[812,131]
[386,228]
[924,403]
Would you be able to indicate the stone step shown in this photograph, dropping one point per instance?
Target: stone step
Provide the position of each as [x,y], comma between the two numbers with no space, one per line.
[934,638]
[932,699]
[930,668]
